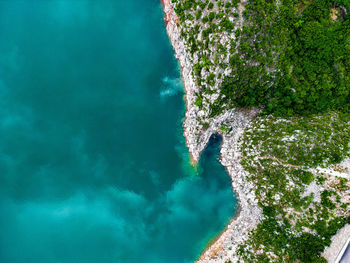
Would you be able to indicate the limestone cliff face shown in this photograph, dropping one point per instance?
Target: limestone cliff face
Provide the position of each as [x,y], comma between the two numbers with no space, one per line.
[197,137]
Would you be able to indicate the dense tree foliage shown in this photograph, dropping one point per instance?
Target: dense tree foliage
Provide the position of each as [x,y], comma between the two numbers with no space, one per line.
[292,58]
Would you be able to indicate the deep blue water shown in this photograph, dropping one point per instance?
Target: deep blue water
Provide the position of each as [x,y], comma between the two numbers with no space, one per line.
[93,164]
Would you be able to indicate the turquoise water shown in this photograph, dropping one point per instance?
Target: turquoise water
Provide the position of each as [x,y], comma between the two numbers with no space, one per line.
[93,164]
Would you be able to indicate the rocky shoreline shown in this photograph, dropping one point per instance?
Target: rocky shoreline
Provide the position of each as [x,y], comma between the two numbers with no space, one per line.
[225,246]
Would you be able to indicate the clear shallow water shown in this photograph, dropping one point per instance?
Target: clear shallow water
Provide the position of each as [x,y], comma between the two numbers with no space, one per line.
[93,164]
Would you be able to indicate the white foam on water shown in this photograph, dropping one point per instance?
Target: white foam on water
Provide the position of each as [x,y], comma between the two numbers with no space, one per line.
[170,87]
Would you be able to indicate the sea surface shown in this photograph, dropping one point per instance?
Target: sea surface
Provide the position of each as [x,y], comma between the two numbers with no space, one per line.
[93,163]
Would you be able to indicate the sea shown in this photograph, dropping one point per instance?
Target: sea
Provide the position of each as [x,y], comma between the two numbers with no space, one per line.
[94,167]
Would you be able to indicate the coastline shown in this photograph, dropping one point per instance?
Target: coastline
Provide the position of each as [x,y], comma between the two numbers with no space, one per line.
[224,246]
[248,215]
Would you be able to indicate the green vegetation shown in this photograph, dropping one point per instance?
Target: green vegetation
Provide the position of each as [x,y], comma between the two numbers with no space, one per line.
[290,58]
[282,156]
[310,140]
[293,55]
